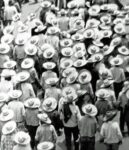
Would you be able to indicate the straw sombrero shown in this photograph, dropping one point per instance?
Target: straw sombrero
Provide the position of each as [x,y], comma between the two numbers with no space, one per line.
[6,115]
[106,33]
[32,103]
[9,127]
[123,50]
[68,71]
[66,42]
[16,17]
[107,82]
[20,40]
[110,115]
[3,97]
[92,23]
[118,20]
[66,63]
[44,118]
[80,54]
[15,94]
[93,49]
[102,93]
[22,138]
[119,28]
[7,39]
[27,63]
[116,41]
[77,37]
[51,80]
[8,29]
[31,49]
[72,78]
[34,40]
[49,65]
[105,19]
[67,52]
[40,28]
[89,33]
[90,109]
[45,4]
[116,61]
[31,16]
[45,146]
[78,24]
[23,76]
[96,57]
[22,28]
[4,48]
[84,76]
[71,4]
[94,10]
[53,30]
[49,53]
[49,104]
[79,63]
[106,50]
[9,64]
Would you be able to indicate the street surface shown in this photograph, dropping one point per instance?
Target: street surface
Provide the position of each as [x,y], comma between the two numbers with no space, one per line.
[26,10]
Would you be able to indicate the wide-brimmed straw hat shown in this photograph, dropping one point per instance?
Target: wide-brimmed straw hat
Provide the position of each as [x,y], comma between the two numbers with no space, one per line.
[116,41]
[66,42]
[78,24]
[80,63]
[105,27]
[32,103]
[49,104]
[70,93]
[22,138]
[27,63]
[46,4]
[9,64]
[66,63]
[7,73]
[94,10]
[40,28]
[52,80]
[96,57]
[80,54]
[106,19]
[53,30]
[93,49]
[3,97]
[22,76]
[4,48]
[118,20]
[49,65]
[123,50]
[16,17]
[44,118]
[107,50]
[22,28]
[45,146]
[7,39]
[34,40]
[102,93]
[72,78]
[49,53]
[104,7]
[77,37]
[107,82]
[8,29]
[9,127]
[90,109]
[6,115]
[15,94]
[106,33]
[110,115]
[98,42]
[116,61]
[68,71]
[20,40]
[92,23]
[31,49]
[84,76]
[67,52]
[31,16]
[89,33]
[119,28]
[71,4]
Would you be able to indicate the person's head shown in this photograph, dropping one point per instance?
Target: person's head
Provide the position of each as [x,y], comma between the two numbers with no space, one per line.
[11,3]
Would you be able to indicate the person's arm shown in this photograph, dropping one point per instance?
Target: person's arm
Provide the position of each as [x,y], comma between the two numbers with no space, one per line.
[119,132]
[54,134]
[102,133]
[37,136]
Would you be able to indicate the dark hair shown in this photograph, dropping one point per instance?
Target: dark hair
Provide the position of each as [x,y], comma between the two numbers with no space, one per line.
[11,3]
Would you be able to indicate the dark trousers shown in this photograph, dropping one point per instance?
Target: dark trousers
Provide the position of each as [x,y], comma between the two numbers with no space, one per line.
[87,143]
[114,146]
[122,119]
[32,133]
[127,123]
[118,88]
[69,131]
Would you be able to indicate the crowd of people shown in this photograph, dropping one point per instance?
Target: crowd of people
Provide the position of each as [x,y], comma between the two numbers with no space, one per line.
[64,72]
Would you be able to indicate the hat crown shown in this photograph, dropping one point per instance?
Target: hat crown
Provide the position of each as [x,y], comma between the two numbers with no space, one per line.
[66,42]
[105,33]
[123,49]
[78,48]
[78,23]
[116,61]
[79,63]
[45,146]
[49,103]
[31,50]
[89,33]
[21,139]
[89,109]
[5,113]
[97,57]
[84,76]
[31,103]
[9,128]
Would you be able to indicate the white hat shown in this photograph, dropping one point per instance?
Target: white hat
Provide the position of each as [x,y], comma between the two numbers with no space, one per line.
[8,29]
[31,16]
[9,127]
[71,4]
[84,76]
[49,53]
[104,7]
[44,118]
[51,80]
[97,42]
[34,40]
[116,41]
[123,50]
[49,104]
[32,103]
[94,10]
[23,76]
[45,146]
[15,94]
[3,97]
[6,115]
[40,28]
[66,43]
[31,49]
[66,63]
[22,138]
[106,19]
[46,4]
[116,61]
[67,51]
[118,20]
[7,38]
[80,63]
[119,28]
[93,49]
[53,30]
[92,23]
[72,78]
[107,50]
[77,37]
[89,33]
[79,24]
[106,33]
[49,65]
[9,64]
[68,71]
[102,93]
[16,17]
[8,73]
[4,48]
[90,110]
[20,40]
[96,57]
[22,28]
[27,63]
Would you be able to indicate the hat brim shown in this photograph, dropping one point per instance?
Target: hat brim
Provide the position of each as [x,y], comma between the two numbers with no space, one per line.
[94,110]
